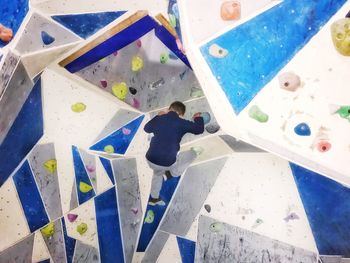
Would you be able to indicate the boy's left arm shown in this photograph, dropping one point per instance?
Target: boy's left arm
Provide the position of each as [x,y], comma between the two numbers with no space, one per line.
[149,127]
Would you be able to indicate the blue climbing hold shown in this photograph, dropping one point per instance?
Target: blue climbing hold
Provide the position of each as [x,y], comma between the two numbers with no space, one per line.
[206,117]
[302,129]
[46,38]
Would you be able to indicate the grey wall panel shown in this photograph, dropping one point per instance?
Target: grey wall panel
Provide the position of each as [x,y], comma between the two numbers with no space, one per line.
[89,161]
[20,252]
[8,66]
[224,243]
[190,196]
[84,253]
[239,146]
[55,244]
[155,247]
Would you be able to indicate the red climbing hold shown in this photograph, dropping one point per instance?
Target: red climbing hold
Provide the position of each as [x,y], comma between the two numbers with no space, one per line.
[323,146]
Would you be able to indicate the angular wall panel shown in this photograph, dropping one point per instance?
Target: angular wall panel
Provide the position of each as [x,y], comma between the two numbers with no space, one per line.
[20,252]
[85,253]
[55,243]
[187,249]
[7,67]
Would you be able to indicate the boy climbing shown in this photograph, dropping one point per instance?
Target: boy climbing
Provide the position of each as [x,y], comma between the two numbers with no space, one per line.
[162,156]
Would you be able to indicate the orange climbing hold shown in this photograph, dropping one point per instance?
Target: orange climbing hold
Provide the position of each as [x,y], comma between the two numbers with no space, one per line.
[6,33]
[230,10]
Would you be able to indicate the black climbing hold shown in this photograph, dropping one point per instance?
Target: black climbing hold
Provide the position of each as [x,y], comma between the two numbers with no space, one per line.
[241,239]
[132,90]
[46,38]
[348,15]
[212,128]
[207,208]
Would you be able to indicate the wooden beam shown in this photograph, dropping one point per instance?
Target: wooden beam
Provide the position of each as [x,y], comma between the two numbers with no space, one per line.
[164,22]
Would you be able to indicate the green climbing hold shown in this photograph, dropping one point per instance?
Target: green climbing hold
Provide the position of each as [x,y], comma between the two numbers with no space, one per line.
[149,217]
[109,149]
[196,92]
[197,149]
[78,107]
[120,90]
[136,63]
[216,227]
[344,112]
[164,58]
[48,230]
[84,187]
[172,20]
[50,166]
[82,228]
[256,114]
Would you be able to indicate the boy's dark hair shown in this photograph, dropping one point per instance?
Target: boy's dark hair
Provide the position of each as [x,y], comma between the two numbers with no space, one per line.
[179,107]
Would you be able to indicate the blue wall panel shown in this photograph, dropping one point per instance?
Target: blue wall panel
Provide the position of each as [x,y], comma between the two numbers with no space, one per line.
[69,242]
[327,205]
[108,227]
[108,167]
[187,249]
[259,48]
[30,198]
[81,175]
[26,130]
[118,139]
[86,25]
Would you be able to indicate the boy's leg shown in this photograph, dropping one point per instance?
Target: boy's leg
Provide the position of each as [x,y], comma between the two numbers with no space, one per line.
[183,160]
[157,181]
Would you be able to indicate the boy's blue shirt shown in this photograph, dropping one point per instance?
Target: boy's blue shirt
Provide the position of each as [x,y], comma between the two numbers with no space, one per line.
[168,130]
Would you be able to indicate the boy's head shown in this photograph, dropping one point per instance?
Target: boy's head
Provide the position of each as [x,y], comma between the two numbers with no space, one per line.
[178,107]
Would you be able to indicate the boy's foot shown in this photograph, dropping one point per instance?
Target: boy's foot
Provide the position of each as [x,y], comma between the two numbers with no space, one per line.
[156,201]
[167,175]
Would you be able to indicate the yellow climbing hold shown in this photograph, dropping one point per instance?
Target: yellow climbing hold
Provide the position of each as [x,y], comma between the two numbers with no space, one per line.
[82,228]
[48,230]
[50,166]
[120,90]
[136,64]
[109,149]
[84,187]
[78,107]
[340,30]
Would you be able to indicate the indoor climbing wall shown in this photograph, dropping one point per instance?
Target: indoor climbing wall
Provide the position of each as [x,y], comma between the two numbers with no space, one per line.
[79,81]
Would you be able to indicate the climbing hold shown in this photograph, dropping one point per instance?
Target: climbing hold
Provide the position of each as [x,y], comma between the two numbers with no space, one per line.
[164,58]
[46,38]
[206,117]
[344,112]
[257,223]
[149,217]
[126,131]
[212,128]
[256,114]
[135,210]
[120,90]
[50,166]
[182,75]
[302,129]
[109,149]
[207,208]
[72,217]
[197,149]
[78,107]
[217,51]
[115,53]
[48,230]
[340,31]
[84,187]
[135,103]
[138,43]
[323,146]
[289,81]
[136,63]
[230,10]
[132,90]
[156,84]
[196,92]
[216,227]
[82,228]
[90,168]
[172,20]
[291,216]
[102,59]
[103,83]
[6,33]
[180,46]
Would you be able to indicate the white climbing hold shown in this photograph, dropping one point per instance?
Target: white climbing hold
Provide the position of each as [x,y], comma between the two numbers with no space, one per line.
[217,51]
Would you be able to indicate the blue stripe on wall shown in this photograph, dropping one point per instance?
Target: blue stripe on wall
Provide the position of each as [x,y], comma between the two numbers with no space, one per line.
[118,139]
[327,205]
[116,42]
[30,198]
[148,229]
[107,165]
[26,130]
[261,47]
[81,175]
[108,227]
[69,242]
[86,25]
[187,249]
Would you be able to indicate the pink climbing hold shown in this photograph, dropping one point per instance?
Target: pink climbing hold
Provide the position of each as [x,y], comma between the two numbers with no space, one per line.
[138,43]
[230,10]
[115,53]
[103,83]
[90,168]
[126,131]
[134,210]
[72,217]
[135,103]
[323,146]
